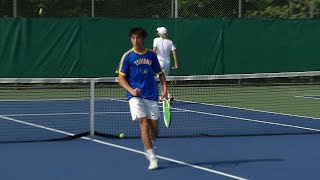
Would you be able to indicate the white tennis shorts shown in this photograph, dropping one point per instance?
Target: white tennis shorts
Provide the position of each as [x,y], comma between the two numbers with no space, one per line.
[165,66]
[140,108]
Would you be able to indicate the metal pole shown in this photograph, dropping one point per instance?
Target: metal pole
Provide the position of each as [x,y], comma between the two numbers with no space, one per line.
[14,8]
[176,9]
[92,81]
[92,8]
[240,9]
[172,8]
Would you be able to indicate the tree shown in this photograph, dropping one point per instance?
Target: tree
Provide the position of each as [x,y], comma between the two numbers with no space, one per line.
[208,8]
[281,8]
[163,8]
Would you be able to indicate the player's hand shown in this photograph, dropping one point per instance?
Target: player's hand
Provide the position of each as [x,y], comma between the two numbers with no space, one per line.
[135,92]
[164,95]
[175,66]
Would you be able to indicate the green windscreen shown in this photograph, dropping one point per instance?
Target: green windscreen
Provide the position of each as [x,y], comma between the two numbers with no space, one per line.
[93,47]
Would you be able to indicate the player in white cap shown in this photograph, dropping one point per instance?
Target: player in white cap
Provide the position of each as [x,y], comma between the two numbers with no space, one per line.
[163,47]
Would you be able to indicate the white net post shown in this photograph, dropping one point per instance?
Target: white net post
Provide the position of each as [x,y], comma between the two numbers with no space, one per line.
[92,82]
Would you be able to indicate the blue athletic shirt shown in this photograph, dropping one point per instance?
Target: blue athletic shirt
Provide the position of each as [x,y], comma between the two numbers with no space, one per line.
[139,69]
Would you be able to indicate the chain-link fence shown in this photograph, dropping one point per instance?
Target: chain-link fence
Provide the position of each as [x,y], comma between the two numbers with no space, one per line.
[162,8]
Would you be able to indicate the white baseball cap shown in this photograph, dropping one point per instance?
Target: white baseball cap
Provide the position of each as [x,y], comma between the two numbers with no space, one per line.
[162,30]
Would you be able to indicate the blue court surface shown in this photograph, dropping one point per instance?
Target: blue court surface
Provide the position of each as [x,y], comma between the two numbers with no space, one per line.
[227,153]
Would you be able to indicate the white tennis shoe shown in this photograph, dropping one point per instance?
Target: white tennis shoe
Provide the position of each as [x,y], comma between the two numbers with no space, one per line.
[153,163]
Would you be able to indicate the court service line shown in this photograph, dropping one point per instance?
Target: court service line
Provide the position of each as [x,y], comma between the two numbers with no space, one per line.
[247,119]
[126,148]
[248,109]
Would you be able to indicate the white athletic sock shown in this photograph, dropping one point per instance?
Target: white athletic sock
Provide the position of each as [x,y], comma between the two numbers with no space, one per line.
[151,153]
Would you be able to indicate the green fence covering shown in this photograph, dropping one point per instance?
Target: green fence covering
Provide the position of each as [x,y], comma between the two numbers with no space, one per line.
[93,47]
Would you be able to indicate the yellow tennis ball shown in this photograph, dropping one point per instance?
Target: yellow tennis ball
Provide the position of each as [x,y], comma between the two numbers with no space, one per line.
[121,136]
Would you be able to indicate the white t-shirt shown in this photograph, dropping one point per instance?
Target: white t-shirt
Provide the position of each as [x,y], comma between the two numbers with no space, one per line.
[164,48]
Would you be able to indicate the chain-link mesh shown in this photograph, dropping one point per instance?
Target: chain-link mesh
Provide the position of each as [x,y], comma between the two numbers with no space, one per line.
[162,8]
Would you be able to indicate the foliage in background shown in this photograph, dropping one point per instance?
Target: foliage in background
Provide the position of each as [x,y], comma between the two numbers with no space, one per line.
[164,8]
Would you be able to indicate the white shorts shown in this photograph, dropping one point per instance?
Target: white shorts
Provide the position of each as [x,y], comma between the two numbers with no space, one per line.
[165,66]
[140,108]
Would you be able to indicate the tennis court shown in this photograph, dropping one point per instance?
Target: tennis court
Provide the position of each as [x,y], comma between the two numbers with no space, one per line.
[222,128]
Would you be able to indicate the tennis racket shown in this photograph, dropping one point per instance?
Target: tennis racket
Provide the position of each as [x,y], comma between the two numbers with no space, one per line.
[166,112]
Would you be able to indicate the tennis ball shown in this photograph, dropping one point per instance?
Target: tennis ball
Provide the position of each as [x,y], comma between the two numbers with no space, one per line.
[121,136]
[40,11]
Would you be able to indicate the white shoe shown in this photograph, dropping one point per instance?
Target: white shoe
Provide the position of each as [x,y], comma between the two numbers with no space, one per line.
[153,163]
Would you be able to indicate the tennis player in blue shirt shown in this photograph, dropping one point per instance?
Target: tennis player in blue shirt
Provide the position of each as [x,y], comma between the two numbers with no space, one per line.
[136,75]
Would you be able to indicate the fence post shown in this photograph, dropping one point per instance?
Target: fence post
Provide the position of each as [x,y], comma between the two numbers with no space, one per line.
[172,8]
[14,8]
[92,8]
[176,9]
[240,8]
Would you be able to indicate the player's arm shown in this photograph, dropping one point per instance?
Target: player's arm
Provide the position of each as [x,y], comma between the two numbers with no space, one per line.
[122,69]
[154,49]
[124,84]
[163,82]
[174,53]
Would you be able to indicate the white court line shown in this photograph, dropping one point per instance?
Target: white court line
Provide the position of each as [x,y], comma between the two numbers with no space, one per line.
[308,97]
[247,119]
[248,109]
[62,99]
[127,149]
[167,159]
[61,114]
[244,119]
[36,125]
[36,100]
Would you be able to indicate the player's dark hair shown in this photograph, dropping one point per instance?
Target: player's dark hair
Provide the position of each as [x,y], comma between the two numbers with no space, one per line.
[138,31]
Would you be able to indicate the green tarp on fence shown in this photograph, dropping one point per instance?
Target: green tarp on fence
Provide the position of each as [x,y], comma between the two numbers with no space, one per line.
[92,47]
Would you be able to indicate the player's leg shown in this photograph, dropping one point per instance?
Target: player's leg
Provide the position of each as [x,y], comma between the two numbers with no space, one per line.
[146,140]
[166,69]
[138,111]
[145,137]
[153,115]
[154,130]
[165,66]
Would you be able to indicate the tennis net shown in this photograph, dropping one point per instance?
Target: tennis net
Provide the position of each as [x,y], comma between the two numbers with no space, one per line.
[43,109]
